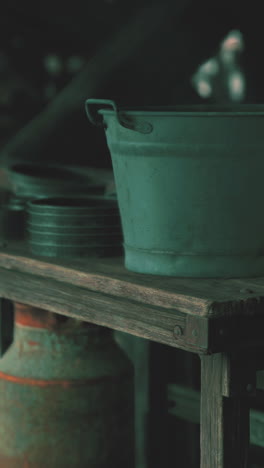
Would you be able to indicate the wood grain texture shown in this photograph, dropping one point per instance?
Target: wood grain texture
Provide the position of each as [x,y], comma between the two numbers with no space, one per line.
[224,420]
[118,313]
[201,297]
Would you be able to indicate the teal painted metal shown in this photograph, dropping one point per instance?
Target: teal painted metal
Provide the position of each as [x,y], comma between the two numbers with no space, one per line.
[190,189]
[66,396]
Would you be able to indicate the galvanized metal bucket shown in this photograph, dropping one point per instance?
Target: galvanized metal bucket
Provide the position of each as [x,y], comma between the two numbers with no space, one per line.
[190,187]
[69,227]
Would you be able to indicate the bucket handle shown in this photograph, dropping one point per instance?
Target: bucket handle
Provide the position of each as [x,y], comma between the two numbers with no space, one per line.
[91,108]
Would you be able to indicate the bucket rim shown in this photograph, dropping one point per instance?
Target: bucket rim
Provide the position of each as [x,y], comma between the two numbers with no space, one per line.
[64,204]
[199,110]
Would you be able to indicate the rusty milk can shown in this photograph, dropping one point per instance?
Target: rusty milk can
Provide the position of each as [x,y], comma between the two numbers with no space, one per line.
[66,395]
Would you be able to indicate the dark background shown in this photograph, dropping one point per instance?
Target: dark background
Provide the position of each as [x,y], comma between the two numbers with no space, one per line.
[157,74]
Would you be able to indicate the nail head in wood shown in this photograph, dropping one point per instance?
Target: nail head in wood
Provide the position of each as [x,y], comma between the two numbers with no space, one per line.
[177,332]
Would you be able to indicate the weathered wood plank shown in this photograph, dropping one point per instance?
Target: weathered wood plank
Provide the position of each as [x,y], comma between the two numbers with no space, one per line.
[224,420]
[108,275]
[141,320]
[167,326]
[201,297]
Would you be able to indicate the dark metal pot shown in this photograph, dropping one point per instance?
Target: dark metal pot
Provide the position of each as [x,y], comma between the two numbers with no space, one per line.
[66,227]
[31,181]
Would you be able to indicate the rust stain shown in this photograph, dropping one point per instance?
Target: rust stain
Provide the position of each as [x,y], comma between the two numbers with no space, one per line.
[35,317]
[62,383]
[9,462]
[33,343]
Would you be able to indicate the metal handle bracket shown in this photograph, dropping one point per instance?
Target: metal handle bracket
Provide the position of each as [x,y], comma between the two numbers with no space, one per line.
[92,105]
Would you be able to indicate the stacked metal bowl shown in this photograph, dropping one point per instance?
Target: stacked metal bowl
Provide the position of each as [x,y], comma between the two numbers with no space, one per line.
[74,227]
[37,181]
[32,181]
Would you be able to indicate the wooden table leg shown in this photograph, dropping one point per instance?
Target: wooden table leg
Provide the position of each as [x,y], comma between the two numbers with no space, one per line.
[226,383]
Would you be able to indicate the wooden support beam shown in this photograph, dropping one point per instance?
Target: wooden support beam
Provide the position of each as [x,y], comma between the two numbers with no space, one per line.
[224,411]
[178,310]
[220,299]
[81,303]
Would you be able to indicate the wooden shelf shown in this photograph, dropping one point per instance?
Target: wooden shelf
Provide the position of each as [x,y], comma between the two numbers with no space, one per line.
[200,315]
[102,291]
